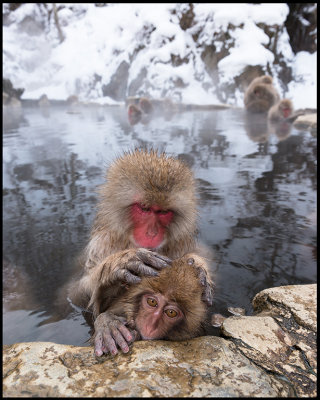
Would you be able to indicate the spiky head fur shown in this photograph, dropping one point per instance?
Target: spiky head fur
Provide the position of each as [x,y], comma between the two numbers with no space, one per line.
[150,178]
[180,283]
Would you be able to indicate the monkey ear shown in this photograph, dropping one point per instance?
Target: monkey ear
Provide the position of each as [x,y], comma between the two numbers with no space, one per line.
[190,261]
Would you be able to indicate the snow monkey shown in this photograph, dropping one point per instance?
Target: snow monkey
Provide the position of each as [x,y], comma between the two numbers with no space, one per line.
[260,95]
[134,114]
[280,111]
[146,218]
[169,306]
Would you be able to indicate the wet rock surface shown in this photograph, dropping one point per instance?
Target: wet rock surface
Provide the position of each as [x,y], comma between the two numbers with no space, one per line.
[271,354]
[307,121]
[281,338]
[203,367]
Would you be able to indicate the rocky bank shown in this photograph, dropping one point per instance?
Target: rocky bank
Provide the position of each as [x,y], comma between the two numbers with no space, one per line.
[270,354]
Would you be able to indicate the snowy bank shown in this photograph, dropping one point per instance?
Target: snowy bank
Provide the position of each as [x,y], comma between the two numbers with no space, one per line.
[191,53]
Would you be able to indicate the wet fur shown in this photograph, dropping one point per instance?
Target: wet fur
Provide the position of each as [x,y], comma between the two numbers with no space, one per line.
[140,175]
[269,95]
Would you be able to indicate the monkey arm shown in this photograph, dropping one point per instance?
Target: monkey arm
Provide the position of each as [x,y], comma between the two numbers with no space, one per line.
[204,276]
[129,266]
[110,332]
[124,267]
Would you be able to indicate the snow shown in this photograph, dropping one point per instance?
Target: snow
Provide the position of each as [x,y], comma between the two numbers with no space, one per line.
[98,39]
[248,50]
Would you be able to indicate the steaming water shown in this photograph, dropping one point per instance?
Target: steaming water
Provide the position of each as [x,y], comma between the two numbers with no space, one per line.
[257,204]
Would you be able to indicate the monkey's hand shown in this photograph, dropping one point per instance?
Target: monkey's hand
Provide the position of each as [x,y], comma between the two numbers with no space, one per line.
[200,265]
[130,265]
[110,331]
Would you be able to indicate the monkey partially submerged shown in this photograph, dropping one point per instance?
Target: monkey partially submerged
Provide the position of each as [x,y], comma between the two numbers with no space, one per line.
[280,111]
[146,218]
[168,306]
[261,95]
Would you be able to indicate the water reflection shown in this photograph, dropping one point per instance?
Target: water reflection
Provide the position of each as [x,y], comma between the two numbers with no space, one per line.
[257,203]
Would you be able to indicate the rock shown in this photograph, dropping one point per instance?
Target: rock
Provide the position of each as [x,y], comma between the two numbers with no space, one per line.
[203,367]
[237,311]
[117,86]
[282,337]
[43,101]
[5,98]
[297,301]
[73,99]
[8,88]
[13,102]
[271,354]
[301,24]
[307,121]
[295,310]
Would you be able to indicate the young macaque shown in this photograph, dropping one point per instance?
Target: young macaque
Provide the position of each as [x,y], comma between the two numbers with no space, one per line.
[134,114]
[280,118]
[280,111]
[260,95]
[146,218]
[168,306]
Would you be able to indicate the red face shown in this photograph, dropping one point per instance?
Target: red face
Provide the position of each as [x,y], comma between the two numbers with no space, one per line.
[257,93]
[149,225]
[134,114]
[286,112]
[157,316]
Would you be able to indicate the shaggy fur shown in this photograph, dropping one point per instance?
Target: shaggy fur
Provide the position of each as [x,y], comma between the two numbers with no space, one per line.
[179,283]
[260,95]
[276,112]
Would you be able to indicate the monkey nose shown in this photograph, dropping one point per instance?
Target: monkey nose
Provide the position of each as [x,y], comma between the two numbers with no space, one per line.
[152,231]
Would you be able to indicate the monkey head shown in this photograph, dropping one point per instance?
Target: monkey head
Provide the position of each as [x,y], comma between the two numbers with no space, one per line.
[266,79]
[260,95]
[260,99]
[285,108]
[168,306]
[150,199]
[134,114]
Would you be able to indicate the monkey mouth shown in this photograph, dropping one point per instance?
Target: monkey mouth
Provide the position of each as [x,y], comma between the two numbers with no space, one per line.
[149,246]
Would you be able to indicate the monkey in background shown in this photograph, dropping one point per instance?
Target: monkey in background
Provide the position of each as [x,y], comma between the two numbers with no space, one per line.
[146,105]
[281,111]
[260,95]
[146,218]
[167,307]
[134,114]
[142,109]
[139,110]
[279,118]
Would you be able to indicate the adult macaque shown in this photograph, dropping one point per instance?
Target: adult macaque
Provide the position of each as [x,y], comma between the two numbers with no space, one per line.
[168,306]
[280,111]
[146,218]
[260,95]
[146,105]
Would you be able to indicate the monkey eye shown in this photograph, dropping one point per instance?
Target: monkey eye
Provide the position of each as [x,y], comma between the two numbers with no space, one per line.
[152,302]
[162,212]
[145,209]
[171,313]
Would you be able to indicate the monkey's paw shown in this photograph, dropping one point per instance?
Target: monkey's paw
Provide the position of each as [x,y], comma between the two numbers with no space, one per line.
[205,281]
[110,332]
[143,262]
